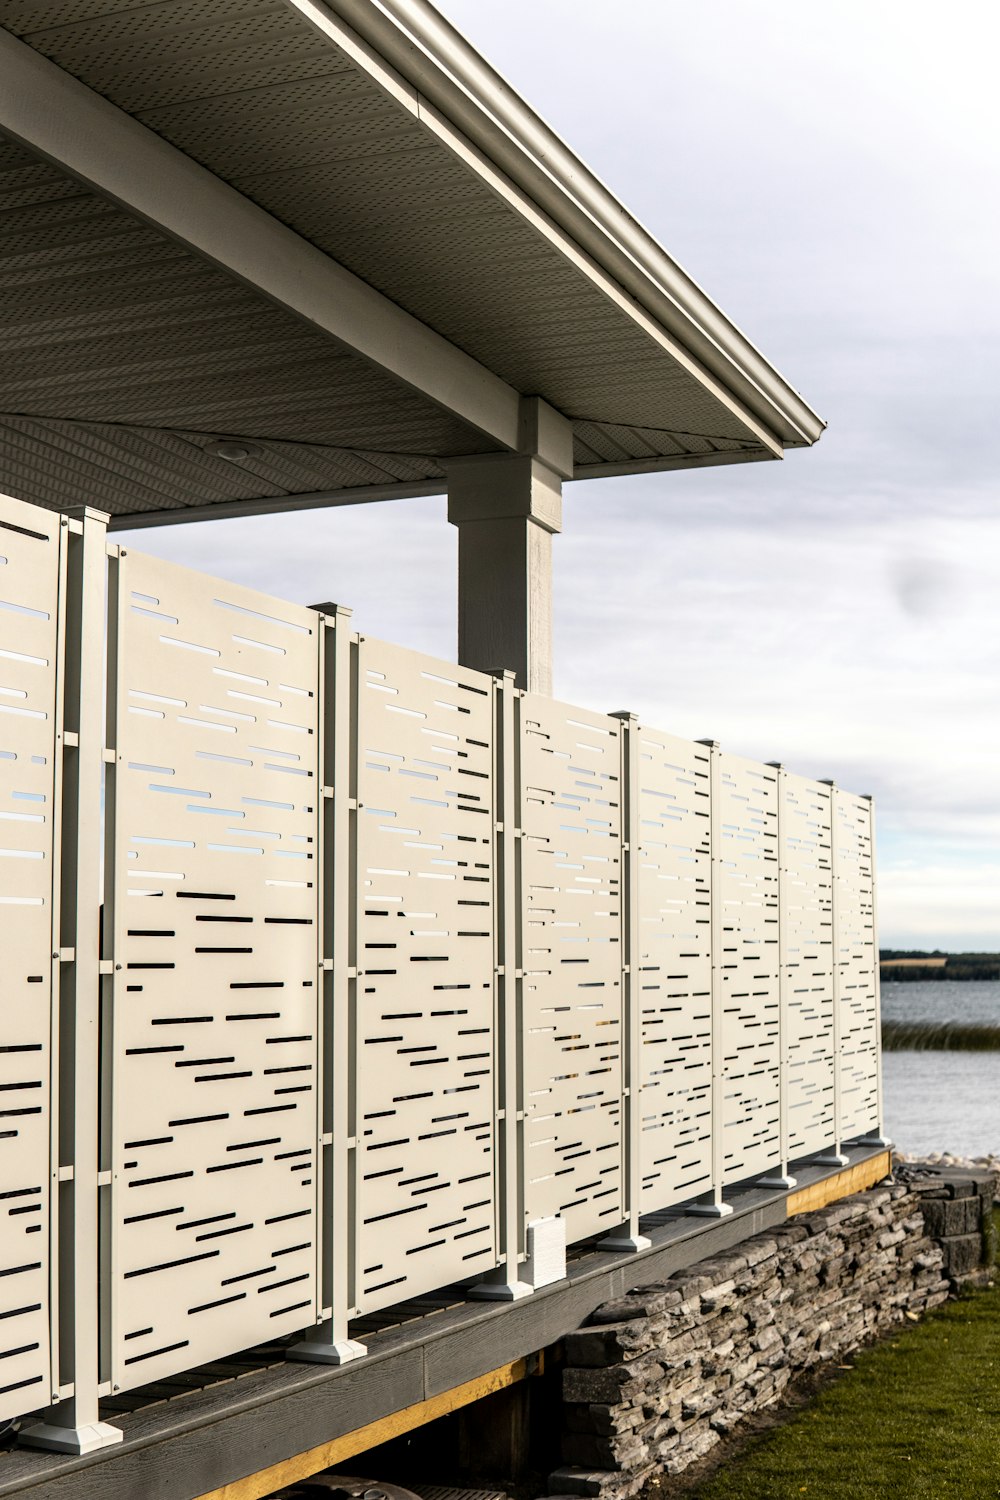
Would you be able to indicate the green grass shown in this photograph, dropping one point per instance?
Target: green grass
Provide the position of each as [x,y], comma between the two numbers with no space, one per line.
[917,1416]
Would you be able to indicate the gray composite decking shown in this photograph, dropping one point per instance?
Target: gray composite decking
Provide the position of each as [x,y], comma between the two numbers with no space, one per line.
[260,1409]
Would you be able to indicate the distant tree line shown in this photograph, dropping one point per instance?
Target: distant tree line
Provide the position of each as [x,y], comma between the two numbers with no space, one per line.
[956,965]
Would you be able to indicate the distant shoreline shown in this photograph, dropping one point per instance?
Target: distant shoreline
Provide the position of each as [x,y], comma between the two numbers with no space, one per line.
[899,966]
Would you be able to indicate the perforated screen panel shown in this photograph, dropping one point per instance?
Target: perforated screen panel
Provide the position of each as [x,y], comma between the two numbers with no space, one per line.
[751,947]
[675,969]
[425,988]
[746,839]
[29,648]
[213,1131]
[856,958]
[570,822]
[807,962]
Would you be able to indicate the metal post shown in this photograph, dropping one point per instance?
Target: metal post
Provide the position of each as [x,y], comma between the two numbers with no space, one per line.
[835,1156]
[711,1203]
[627,1237]
[74,1425]
[878,1137]
[505,1285]
[782,1178]
[330,1343]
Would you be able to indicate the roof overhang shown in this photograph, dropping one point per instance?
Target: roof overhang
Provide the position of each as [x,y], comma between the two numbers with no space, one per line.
[452,76]
[262,254]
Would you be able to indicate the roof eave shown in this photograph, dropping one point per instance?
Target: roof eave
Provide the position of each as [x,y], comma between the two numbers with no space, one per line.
[362,494]
[417,41]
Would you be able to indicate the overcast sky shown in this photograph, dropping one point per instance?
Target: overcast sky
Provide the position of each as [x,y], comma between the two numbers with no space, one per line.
[829,174]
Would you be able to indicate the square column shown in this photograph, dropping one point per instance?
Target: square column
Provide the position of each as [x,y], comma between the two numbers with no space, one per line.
[506,510]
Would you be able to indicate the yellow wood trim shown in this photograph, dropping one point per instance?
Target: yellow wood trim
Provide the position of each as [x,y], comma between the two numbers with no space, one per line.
[291,1470]
[864,1174]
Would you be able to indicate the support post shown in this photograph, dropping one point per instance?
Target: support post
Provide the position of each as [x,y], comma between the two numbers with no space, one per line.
[506,510]
[711,1203]
[505,1284]
[834,1157]
[878,1137]
[627,1236]
[329,1342]
[74,1425]
[782,1178]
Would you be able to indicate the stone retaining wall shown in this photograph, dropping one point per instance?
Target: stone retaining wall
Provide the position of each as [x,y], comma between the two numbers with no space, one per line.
[656,1378]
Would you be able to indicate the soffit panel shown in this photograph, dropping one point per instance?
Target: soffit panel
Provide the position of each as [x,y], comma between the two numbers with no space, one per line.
[145,56]
[128,357]
[106,320]
[132,471]
[616,443]
[251,91]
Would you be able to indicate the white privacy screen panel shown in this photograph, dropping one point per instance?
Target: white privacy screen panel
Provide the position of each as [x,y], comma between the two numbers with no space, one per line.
[425,988]
[29,647]
[807,963]
[571,910]
[674,982]
[214,1122]
[856,961]
[746,877]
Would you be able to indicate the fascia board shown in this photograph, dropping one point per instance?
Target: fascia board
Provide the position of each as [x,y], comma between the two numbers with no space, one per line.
[461,145]
[270,505]
[431,57]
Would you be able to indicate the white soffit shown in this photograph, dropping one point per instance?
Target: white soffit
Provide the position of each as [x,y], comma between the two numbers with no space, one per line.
[437,203]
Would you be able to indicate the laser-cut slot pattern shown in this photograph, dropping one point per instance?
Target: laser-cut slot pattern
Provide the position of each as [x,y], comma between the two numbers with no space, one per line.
[570,869]
[425,986]
[807,971]
[856,959]
[674,980]
[210,1028]
[214,1036]
[29,645]
[746,876]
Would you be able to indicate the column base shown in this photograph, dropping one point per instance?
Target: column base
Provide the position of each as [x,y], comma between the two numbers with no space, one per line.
[709,1210]
[782,1180]
[339,1352]
[830,1159]
[499,1291]
[875,1140]
[86,1439]
[628,1242]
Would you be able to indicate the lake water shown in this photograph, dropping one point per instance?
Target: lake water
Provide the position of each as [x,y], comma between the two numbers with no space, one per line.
[942,1101]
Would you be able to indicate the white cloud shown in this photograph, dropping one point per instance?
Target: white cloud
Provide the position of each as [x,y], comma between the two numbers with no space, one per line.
[941,906]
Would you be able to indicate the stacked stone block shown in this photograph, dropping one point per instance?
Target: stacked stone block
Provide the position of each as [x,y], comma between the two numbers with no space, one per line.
[657,1377]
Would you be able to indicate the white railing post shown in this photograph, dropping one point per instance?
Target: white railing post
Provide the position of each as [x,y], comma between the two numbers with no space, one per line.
[835,1156]
[782,1178]
[505,1284]
[330,1342]
[711,1202]
[878,1137]
[74,1425]
[627,1237]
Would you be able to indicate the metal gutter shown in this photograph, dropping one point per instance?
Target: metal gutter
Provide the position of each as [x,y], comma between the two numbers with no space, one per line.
[416,40]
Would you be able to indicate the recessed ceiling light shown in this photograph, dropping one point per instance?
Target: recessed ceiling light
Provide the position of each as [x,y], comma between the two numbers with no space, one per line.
[234,452]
